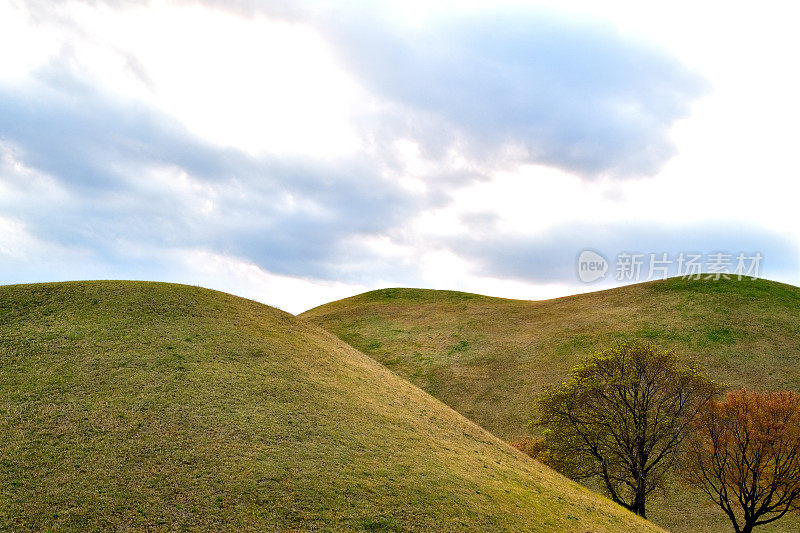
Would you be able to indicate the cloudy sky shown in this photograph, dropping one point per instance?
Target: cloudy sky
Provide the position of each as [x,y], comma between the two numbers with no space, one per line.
[296,153]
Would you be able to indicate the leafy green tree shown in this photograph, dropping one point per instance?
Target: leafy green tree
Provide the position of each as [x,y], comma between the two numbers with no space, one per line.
[745,455]
[622,418]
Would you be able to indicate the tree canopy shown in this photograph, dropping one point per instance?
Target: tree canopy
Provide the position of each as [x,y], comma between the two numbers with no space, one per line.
[745,454]
[622,418]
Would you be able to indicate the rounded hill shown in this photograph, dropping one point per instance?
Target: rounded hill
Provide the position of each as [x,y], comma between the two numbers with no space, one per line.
[150,406]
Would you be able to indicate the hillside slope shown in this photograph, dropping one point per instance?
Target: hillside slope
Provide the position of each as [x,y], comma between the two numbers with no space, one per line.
[487,357]
[130,405]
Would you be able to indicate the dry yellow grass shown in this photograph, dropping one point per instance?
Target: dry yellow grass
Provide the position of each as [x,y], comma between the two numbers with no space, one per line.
[488,357]
[147,406]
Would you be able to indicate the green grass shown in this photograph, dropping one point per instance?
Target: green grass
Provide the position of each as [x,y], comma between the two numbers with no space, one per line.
[147,406]
[488,357]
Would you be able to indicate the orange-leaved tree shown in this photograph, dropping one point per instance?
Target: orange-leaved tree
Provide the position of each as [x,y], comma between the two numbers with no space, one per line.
[745,455]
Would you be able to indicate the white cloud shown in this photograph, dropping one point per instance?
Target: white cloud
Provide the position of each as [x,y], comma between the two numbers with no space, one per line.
[243,278]
[15,243]
[260,85]
[310,180]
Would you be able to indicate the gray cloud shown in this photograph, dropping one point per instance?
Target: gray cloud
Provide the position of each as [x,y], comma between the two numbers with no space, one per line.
[76,134]
[551,257]
[571,95]
[289,216]
[504,87]
[575,96]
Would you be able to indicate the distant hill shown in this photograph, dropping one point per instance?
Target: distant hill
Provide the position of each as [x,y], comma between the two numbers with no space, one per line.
[148,406]
[487,357]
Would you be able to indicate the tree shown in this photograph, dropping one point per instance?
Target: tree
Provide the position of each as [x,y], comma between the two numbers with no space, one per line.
[745,454]
[622,418]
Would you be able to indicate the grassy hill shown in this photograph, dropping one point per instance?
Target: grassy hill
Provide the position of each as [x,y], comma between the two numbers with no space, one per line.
[132,406]
[487,357]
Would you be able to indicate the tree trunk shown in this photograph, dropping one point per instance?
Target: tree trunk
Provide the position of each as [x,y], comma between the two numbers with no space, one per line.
[640,510]
[638,501]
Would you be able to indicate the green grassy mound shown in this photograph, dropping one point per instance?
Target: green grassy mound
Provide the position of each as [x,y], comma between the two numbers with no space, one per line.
[148,406]
[487,357]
